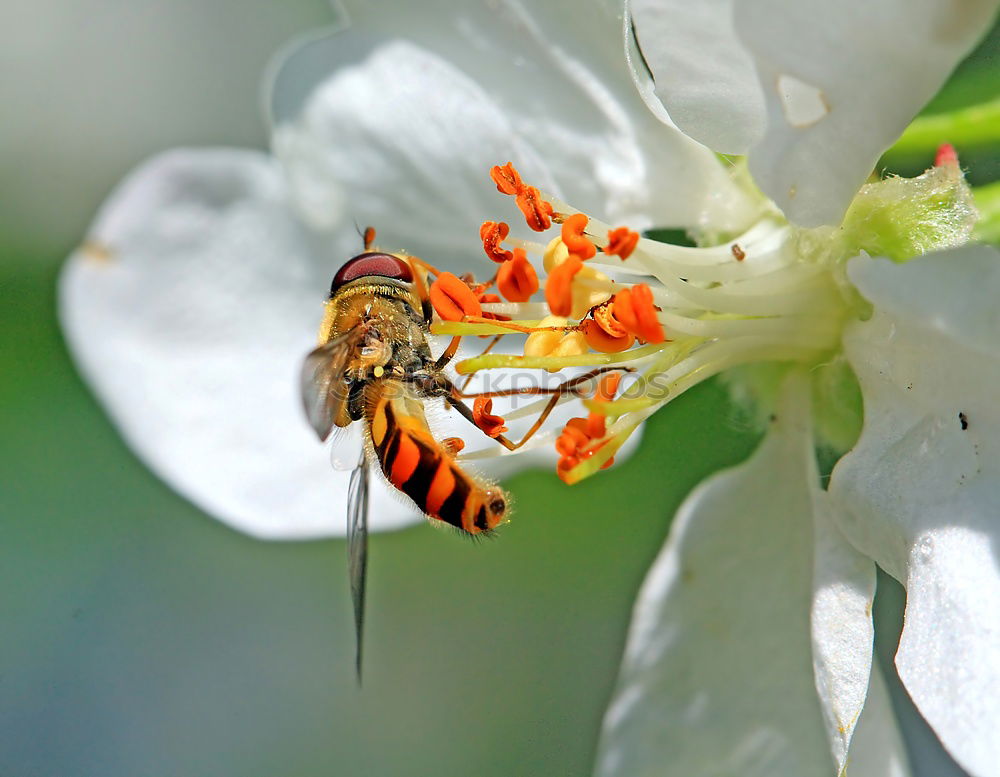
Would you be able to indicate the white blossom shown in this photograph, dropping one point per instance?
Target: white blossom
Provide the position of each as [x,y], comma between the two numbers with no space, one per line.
[199,289]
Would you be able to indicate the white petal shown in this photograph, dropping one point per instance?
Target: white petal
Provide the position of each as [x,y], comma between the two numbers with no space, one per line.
[921,490]
[718,672]
[842,632]
[841,81]
[877,748]
[703,75]
[403,134]
[189,312]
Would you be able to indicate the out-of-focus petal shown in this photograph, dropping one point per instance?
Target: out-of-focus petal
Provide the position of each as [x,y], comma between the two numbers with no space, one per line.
[920,492]
[842,632]
[703,75]
[718,673]
[841,81]
[402,135]
[189,311]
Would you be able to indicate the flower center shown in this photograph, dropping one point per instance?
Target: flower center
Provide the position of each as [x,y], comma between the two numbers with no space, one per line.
[673,316]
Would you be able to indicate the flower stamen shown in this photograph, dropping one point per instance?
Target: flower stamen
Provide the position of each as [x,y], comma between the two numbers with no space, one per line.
[482,413]
[621,242]
[493,233]
[507,179]
[559,285]
[635,311]
[537,212]
[576,442]
[517,279]
[452,298]
[574,238]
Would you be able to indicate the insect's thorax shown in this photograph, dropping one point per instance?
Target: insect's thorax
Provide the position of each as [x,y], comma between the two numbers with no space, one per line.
[392,335]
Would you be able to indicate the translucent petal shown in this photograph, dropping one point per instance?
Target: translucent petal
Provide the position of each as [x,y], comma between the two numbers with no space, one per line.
[404,131]
[718,675]
[703,75]
[841,81]
[877,748]
[920,493]
[842,632]
[188,311]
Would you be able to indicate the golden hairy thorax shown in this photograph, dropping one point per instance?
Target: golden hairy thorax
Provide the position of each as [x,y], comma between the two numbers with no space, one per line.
[393,305]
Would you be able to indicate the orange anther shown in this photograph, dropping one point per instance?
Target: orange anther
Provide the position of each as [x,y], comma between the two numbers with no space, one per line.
[604,315]
[493,233]
[603,342]
[517,279]
[597,426]
[492,425]
[453,299]
[650,329]
[573,437]
[572,448]
[564,465]
[634,310]
[621,242]
[621,306]
[573,236]
[507,179]
[608,386]
[537,212]
[453,445]
[606,390]
[559,285]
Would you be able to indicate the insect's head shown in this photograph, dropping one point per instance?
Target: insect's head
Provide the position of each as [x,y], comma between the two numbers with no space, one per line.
[371,263]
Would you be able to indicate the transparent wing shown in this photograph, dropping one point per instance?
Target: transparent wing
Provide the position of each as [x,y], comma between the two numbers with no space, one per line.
[324,386]
[357,547]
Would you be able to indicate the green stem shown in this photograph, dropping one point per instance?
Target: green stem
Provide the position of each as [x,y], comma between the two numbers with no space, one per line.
[988,203]
[977,125]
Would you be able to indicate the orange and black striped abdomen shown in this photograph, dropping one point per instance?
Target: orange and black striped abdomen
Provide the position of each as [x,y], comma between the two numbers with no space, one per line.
[415,463]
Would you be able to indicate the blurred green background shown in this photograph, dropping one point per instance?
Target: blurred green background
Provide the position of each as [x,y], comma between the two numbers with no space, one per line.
[141,637]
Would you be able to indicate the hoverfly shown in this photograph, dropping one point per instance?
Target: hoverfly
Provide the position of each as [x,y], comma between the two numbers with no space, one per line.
[374,365]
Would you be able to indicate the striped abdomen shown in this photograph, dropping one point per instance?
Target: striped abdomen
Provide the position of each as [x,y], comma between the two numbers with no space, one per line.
[419,466]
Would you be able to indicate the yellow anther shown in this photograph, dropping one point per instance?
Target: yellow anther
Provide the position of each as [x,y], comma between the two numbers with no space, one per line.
[571,344]
[544,343]
[555,343]
[584,295]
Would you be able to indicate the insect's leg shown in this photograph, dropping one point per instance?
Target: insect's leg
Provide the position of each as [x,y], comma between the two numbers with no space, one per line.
[568,387]
[420,282]
[464,410]
[449,352]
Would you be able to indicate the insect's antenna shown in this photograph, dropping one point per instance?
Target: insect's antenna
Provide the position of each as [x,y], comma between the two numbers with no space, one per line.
[367,235]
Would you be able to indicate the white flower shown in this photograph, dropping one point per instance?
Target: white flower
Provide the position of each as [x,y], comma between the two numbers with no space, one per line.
[750,649]
[200,286]
[199,291]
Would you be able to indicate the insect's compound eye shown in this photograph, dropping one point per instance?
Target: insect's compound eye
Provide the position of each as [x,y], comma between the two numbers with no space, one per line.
[372,263]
